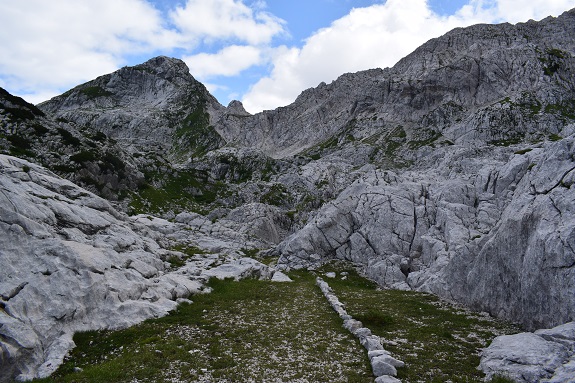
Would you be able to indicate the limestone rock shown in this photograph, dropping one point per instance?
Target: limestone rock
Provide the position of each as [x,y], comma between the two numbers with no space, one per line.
[70,262]
[156,105]
[280,277]
[380,367]
[543,356]
[387,379]
[240,269]
[446,228]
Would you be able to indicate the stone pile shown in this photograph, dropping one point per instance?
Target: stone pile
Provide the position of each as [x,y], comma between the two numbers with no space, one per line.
[384,365]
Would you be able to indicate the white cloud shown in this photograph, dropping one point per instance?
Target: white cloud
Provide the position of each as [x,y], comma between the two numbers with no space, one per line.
[229,61]
[515,11]
[377,36]
[226,19]
[50,46]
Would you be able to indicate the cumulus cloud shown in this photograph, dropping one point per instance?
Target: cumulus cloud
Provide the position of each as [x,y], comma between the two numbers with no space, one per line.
[50,46]
[515,11]
[225,19]
[377,36]
[229,61]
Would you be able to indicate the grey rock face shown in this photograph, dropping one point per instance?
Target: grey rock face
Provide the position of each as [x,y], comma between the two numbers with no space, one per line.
[157,106]
[488,228]
[70,262]
[448,174]
[463,87]
[544,356]
[92,160]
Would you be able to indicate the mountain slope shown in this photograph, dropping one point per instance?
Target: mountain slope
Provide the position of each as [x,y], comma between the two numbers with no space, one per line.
[155,106]
[452,172]
[485,83]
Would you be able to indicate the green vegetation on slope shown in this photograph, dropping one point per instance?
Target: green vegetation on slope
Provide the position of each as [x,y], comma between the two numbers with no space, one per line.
[438,342]
[242,331]
[262,331]
[175,191]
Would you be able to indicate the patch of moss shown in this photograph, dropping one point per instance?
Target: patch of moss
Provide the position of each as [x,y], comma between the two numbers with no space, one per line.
[40,130]
[552,60]
[523,151]
[83,156]
[565,109]
[507,141]
[277,195]
[68,137]
[195,136]
[433,137]
[555,137]
[111,162]
[177,191]
[95,92]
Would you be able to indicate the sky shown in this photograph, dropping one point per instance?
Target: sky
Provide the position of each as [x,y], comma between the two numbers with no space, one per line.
[261,52]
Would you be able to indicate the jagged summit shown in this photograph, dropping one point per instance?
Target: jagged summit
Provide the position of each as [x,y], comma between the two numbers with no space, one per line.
[166,67]
[443,90]
[151,106]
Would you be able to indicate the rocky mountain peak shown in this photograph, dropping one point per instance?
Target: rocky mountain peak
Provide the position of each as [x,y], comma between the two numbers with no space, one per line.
[166,67]
[451,173]
[150,106]
[236,107]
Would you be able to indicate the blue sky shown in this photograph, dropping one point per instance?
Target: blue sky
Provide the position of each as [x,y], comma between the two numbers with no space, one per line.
[263,53]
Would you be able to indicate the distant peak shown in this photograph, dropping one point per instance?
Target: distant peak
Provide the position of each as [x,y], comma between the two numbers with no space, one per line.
[236,107]
[165,66]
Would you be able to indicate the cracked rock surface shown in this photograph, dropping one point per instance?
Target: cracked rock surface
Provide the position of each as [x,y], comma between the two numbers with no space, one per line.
[491,229]
[548,355]
[70,262]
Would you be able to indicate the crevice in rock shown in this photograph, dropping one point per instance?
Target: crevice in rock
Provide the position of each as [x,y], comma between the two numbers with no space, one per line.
[559,183]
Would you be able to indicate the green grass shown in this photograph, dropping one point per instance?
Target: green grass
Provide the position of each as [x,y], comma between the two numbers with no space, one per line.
[437,341]
[523,151]
[95,92]
[177,191]
[262,331]
[195,136]
[188,252]
[242,331]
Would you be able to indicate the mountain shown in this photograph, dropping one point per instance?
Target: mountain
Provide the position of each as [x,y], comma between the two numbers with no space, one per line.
[450,173]
[482,84]
[156,106]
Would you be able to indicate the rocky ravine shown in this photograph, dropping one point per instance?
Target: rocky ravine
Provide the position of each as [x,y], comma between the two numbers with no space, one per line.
[71,262]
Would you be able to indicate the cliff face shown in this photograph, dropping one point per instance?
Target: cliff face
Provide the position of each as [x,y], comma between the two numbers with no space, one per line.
[486,83]
[488,228]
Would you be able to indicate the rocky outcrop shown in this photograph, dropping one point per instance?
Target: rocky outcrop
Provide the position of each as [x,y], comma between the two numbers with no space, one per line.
[487,227]
[70,262]
[450,173]
[89,159]
[548,355]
